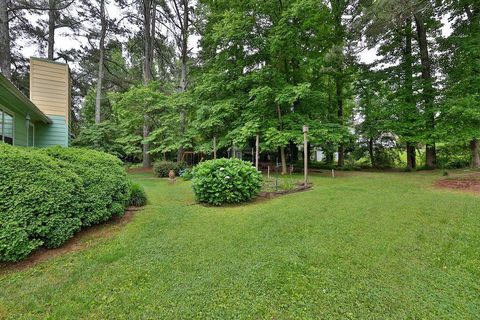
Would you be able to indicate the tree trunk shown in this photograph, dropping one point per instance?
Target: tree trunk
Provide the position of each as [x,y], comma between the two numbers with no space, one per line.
[5,51]
[146,130]
[474,147]
[411,156]
[283,160]
[183,76]
[98,98]
[410,113]
[428,92]
[214,147]
[148,37]
[341,149]
[370,152]
[282,148]
[52,13]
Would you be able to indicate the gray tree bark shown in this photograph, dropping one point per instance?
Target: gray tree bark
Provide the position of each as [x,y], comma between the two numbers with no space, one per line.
[341,148]
[183,18]
[52,13]
[5,50]
[103,32]
[410,100]
[148,37]
[475,148]
[428,94]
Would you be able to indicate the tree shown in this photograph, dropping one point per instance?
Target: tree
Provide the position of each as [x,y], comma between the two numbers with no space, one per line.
[460,119]
[5,54]
[178,18]
[101,49]
[392,22]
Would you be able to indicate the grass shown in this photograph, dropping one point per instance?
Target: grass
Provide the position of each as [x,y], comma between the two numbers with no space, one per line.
[360,246]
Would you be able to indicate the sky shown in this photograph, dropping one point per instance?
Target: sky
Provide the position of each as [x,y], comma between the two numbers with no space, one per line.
[65,39]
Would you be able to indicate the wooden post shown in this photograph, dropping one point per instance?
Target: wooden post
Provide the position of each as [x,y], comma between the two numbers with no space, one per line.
[305,155]
[214,147]
[257,142]
[268,172]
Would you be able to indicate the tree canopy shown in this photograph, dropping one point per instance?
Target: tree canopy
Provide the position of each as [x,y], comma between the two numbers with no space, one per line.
[154,79]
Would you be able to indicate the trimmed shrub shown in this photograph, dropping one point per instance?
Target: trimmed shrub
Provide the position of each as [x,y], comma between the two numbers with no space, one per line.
[162,168]
[107,190]
[138,197]
[40,202]
[225,181]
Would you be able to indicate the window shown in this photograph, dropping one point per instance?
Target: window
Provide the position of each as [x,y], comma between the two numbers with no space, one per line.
[6,127]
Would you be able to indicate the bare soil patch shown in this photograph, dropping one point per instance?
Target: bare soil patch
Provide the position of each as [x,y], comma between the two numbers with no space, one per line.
[467,183]
[82,240]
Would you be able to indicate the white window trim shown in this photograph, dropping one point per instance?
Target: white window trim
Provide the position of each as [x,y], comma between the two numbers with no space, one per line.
[12,114]
[31,124]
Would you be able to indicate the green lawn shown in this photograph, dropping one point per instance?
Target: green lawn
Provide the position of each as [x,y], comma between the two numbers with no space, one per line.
[360,246]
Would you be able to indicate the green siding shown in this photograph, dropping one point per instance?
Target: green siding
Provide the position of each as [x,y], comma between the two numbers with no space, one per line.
[19,126]
[52,134]
[20,135]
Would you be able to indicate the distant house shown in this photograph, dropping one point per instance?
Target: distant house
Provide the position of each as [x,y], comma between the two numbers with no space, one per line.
[43,119]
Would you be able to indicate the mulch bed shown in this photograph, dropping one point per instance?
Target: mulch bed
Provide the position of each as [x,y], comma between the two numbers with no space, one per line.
[469,183]
[80,241]
[272,194]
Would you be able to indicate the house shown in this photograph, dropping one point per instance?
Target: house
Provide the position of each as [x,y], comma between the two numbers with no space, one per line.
[43,119]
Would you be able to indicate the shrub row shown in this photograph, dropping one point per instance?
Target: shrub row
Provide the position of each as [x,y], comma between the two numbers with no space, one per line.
[162,168]
[223,181]
[47,195]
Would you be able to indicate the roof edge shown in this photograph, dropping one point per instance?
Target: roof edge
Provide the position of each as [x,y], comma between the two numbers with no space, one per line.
[19,95]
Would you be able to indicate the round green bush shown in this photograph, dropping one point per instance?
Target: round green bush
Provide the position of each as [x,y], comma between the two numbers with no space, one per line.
[40,202]
[138,197]
[162,168]
[225,181]
[107,189]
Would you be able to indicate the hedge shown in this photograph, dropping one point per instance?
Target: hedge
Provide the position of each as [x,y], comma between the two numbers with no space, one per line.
[40,202]
[107,190]
[47,195]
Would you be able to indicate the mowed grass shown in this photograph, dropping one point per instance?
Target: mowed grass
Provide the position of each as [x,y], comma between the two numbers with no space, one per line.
[360,246]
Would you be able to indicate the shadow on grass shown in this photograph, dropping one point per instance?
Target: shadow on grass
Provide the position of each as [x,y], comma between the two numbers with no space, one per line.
[83,239]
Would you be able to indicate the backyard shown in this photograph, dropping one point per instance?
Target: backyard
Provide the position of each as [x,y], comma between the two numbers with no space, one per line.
[362,245]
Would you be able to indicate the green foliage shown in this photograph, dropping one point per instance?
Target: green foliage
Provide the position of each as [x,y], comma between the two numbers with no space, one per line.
[223,181]
[41,202]
[162,168]
[104,179]
[47,195]
[101,137]
[453,156]
[345,249]
[186,174]
[138,197]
